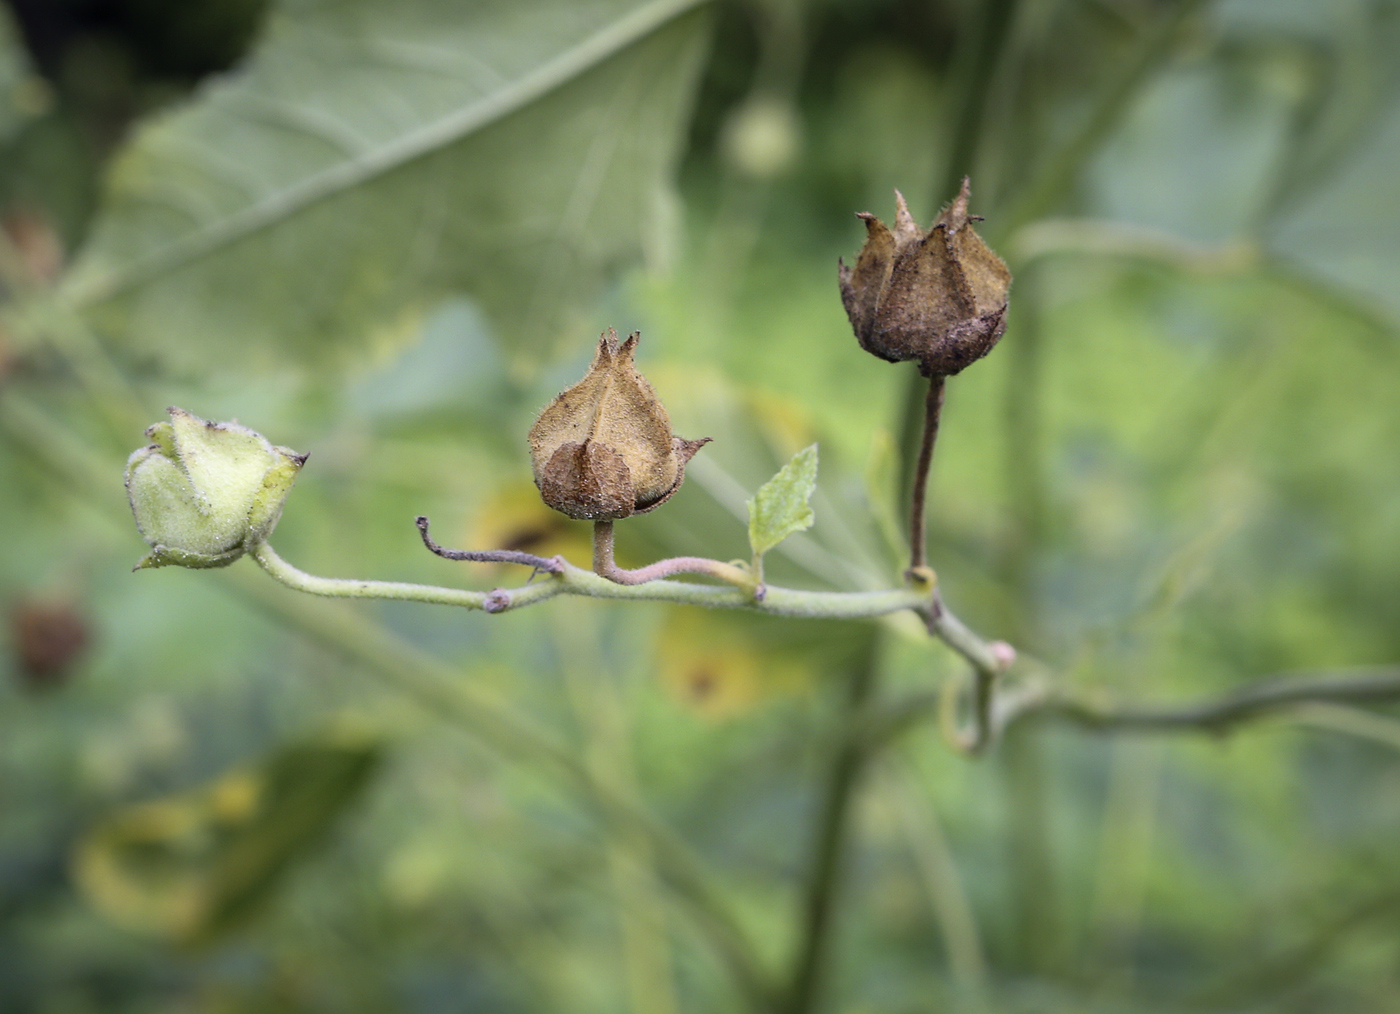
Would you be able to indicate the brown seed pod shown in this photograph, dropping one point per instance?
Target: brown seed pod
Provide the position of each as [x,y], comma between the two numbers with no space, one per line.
[603,449]
[48,638]
[937,297]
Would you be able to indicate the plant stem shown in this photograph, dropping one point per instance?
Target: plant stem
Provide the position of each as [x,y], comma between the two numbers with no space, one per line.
[988,661]
[1028,850]
[1056,170]
[918,527]
[908,801]
[576,581]
[541,565]
[977,70]
[595,689]
[977,65]
[1036,700]
[1221,714]
[606,566]
[1029,841]
[832,839]
[350,588]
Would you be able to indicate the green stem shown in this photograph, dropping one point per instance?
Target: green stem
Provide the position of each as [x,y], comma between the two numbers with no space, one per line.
[351,588]
[596,693]
[1024,463]
[1029,857]
[1222,714]
[573,580]
[832,839]
[1036,699]
[1056,170]
[908,801]
[977,72]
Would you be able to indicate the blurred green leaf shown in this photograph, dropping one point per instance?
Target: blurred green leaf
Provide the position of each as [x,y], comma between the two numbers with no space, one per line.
[20,91]
[374,157]
[1345,232]
[781,506]
[193,865]
[1177,475]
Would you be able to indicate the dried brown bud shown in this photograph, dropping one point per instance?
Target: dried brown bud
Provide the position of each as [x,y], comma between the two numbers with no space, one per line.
[604,449]
[48,637]
[938,297]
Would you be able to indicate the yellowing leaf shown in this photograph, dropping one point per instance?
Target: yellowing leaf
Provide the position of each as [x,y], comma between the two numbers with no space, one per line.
[711,661]
[189,866]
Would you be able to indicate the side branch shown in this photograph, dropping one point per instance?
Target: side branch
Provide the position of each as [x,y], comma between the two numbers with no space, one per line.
[541,565]
[1220,715]
[1036,700]
[350,588]
[989,659]
[576,581]
[605,566]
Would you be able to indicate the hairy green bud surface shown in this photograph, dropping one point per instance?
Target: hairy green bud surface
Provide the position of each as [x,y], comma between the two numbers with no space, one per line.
[203,493]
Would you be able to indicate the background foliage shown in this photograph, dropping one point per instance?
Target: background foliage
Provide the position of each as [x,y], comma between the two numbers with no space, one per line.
[387,232]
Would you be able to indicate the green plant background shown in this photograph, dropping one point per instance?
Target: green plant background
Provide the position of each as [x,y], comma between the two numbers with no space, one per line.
[388,232]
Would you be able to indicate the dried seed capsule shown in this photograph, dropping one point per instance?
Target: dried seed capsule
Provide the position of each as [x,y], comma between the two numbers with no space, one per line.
[604,449]
[937,297]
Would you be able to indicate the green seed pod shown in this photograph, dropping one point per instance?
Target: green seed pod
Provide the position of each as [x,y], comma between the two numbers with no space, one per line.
[937,297]
[603,449]
[203,493]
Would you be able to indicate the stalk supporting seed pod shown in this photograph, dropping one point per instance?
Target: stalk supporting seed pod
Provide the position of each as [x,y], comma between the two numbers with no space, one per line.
[603,449]
[937,297]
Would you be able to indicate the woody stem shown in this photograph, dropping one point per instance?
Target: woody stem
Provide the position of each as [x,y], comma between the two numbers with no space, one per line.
[933,408]
[605,566]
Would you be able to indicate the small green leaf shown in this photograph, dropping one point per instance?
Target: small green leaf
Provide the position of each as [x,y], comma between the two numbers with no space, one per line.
[781,507]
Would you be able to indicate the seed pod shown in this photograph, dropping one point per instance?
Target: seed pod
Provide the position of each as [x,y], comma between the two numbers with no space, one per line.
[604,449]
[203,493]
[937,297]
